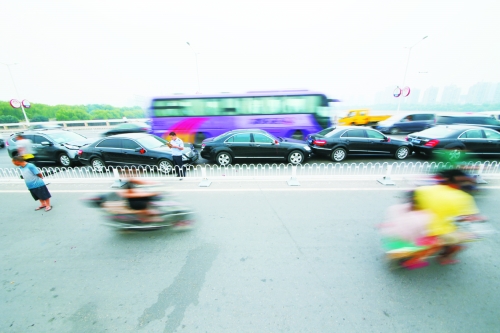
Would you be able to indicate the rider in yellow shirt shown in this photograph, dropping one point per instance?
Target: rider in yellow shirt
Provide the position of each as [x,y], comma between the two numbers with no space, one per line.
[448,203]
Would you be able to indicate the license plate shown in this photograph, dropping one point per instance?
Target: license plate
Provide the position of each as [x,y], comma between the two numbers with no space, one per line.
[416,141]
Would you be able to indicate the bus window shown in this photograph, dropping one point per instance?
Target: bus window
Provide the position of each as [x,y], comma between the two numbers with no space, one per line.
[273,106]
[295,105]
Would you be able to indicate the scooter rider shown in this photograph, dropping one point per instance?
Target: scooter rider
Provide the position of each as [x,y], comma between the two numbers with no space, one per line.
[139,201]
[449,204]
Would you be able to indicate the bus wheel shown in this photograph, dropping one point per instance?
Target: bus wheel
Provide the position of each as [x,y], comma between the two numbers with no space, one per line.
[298,135]
[198,139]
[224,158]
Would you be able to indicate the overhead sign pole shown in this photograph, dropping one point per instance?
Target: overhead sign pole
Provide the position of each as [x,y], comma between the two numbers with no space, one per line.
[17,92]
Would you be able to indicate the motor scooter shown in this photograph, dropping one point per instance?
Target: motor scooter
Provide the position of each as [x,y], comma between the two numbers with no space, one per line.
[157,208]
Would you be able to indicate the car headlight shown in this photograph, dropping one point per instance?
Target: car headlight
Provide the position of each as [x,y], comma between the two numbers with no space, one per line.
[307,148]
[72,147]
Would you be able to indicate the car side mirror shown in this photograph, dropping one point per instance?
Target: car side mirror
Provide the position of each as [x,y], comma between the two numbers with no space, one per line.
[46,143]
[276,142]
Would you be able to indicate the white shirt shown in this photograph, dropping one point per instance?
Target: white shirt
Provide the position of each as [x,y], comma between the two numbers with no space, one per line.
[176,151]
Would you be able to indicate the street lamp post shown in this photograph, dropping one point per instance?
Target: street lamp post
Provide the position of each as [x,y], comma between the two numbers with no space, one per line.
[407,63]
[196,60]
[17,92]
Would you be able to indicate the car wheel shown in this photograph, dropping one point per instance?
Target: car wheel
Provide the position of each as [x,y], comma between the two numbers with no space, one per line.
[339,154]
[65,160]
[402,153]
[394,131]
[454,154]
[223,159]
[166,166]
[97,164]
[296,157]
[298,135]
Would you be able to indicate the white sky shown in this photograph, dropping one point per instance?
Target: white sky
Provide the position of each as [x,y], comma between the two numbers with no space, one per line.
[124,52]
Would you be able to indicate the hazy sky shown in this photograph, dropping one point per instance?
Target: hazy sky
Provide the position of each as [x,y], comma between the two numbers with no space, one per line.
[124,52]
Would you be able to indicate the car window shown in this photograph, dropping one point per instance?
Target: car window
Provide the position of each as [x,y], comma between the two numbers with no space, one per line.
[261,138]
[39,139]
[129,144]
[110,143]
[472,134]
[357,133]
[446,120]
[491,134]
[374,134]
[240,138]
[423,116]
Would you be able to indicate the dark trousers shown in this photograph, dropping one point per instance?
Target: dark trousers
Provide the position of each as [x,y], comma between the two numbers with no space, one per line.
[179,168]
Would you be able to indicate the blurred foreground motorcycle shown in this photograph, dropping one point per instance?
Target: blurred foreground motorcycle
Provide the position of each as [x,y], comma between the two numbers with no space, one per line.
[142,205]
[400,252]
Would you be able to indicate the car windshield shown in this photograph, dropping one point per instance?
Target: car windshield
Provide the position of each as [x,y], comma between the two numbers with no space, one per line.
[64,137]
[326,131]
[151,141]
[436,132]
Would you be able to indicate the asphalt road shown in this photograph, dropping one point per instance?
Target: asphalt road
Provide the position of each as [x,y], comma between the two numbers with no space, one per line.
[264,257]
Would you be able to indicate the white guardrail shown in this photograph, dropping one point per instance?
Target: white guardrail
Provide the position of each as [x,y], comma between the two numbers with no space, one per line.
[383,172]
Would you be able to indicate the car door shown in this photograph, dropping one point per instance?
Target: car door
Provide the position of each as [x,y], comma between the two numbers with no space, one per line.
[265,147]
[241,145]
[134,154]
[492,141]
[355,141]
[378,143]
[110,150]
[40,151]
[473,141]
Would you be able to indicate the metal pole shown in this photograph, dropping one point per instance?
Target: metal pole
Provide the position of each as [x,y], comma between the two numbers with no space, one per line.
[17,92]
[406,68]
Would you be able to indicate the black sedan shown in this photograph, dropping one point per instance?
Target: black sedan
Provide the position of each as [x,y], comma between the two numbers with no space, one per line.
[253,144]
[128,128]
[338,142]
[454,141]
[132,150]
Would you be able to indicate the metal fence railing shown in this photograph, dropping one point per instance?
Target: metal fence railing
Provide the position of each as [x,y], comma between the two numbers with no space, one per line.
[396,170]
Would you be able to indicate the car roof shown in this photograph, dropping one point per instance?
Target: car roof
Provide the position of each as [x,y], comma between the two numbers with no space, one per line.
[245,131]
[462,127]
[130,135]
[41,131]
[465,114]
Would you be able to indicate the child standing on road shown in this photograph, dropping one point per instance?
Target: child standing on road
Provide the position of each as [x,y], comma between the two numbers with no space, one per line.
[34,181]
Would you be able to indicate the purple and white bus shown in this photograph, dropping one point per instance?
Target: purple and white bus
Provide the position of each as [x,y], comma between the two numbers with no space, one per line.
[283,113]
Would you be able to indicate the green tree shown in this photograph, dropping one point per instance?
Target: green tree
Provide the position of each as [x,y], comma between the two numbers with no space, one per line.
[8,120]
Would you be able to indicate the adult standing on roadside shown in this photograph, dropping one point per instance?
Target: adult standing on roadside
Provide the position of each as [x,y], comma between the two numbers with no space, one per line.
[177,147]
[34,181]
[25,148]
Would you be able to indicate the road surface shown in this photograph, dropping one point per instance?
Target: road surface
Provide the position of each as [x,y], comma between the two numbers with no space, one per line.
[265,257]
